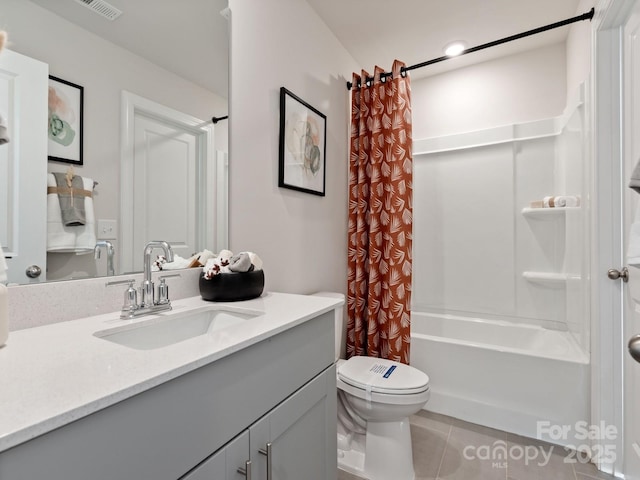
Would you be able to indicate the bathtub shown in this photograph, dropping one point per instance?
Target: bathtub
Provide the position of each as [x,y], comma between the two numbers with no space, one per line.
[503,375]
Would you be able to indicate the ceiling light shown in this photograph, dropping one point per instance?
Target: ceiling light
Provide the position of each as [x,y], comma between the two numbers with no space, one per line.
[454,48]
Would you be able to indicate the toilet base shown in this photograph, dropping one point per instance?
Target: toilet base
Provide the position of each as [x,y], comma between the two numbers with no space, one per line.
[352,461]
[383,453]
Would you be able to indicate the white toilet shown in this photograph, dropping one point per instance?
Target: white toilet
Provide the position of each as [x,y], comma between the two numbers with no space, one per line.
[375,399]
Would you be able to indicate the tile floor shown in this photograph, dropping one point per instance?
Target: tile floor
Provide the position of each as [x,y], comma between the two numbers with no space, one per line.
[440,443]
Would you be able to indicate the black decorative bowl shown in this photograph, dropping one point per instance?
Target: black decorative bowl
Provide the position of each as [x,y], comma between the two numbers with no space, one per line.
[232,287]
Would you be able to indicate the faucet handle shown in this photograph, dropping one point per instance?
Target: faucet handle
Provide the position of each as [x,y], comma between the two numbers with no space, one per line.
[119,282]
[163,292]
[130,297]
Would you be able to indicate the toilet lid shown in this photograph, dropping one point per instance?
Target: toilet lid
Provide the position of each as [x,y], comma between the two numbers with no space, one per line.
[382,376]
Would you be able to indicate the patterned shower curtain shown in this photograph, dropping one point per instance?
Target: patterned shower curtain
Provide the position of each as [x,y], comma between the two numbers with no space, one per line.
[380,217]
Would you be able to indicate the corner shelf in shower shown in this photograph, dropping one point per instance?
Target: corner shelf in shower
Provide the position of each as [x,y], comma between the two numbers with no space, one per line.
[550,280]
[547,213]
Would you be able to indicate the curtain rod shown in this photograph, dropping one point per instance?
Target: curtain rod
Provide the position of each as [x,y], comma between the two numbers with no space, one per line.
[579,18]
[217,119]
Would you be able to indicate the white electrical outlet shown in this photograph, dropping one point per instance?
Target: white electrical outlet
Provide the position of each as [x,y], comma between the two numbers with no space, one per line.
[107,229]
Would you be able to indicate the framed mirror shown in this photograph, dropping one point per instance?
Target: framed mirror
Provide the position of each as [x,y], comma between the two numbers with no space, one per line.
[173,58]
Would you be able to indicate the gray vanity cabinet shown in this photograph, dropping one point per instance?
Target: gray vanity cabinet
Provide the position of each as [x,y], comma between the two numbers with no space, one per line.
[279,391]
[224,464]
[295,440]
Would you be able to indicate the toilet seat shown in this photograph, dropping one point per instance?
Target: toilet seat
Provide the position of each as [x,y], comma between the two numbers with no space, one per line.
[381,380]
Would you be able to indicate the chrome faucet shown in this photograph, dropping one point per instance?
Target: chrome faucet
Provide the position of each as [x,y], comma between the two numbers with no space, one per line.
[108,246]
[147,304]
[147,284]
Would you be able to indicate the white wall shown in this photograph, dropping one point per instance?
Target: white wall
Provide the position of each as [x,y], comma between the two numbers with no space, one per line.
[104,70]
[578,48]
[488,186]
[513,89]
[300,237]
[473,242]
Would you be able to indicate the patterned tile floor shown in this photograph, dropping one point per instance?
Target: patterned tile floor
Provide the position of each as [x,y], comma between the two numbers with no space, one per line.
[439,444]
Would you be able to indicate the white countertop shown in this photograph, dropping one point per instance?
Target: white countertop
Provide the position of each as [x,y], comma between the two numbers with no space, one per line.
[55,374]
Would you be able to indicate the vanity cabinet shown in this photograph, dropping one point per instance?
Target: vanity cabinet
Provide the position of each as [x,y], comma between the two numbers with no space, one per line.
[298,438]
[206,423]
[294,440]
[225,463]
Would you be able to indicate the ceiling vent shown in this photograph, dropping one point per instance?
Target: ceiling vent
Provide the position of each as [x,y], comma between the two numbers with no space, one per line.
[101,8]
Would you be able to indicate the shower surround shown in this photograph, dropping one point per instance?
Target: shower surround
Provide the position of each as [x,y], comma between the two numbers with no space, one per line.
[500,313]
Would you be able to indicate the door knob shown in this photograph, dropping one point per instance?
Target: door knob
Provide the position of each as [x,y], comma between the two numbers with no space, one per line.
[614,274]
[634,347]
[33,271]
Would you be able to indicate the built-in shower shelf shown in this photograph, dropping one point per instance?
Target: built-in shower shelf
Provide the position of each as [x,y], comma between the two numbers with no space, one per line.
[547,213]
[550,280]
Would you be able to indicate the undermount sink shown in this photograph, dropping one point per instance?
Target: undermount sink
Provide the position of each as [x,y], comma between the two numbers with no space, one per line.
[174,327]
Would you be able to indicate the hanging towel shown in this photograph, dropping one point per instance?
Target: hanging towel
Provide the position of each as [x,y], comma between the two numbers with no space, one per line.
[633,245]
[633,249]
[3,267]
[69,239]
[71,196]
[4,134]
[634,182]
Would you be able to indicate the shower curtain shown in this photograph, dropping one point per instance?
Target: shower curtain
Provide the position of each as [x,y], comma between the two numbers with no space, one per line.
[380,217]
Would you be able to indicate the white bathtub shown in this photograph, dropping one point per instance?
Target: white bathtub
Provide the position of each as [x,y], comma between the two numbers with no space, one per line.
[502,375]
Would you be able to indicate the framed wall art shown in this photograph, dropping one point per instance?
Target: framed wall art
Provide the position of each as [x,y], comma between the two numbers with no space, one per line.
[303,133]
[64,132]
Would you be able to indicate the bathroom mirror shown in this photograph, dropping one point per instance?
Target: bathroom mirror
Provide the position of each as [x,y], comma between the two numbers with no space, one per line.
[175,59]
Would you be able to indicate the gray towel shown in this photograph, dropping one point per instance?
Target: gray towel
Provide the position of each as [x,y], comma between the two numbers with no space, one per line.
[240,263]
[71,206]
[634,183]
[4,135]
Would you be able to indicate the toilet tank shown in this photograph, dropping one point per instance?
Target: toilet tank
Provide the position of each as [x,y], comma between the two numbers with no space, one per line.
[340,345]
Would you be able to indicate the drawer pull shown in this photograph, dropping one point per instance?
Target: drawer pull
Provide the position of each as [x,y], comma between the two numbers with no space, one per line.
[267,452]
[246,471]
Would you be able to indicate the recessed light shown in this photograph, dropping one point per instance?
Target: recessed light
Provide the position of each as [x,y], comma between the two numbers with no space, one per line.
[454,48]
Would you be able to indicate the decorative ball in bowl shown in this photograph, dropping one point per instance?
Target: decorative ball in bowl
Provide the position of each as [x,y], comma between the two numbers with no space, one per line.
[232,287]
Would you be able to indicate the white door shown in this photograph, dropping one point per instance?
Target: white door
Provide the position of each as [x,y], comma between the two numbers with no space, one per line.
[165,187]
[168,180]
[631,294]
[23,165]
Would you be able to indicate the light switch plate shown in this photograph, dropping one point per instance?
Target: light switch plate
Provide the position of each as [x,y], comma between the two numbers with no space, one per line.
[107,229]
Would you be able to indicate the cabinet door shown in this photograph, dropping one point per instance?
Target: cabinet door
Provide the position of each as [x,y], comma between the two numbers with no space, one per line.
[297,439]
[224,464]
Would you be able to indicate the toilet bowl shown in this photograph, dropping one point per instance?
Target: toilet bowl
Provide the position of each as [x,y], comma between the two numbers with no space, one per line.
[375,399]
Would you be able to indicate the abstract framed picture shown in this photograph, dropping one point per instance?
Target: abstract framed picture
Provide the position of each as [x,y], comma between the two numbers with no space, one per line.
[66,102]
[303,134]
